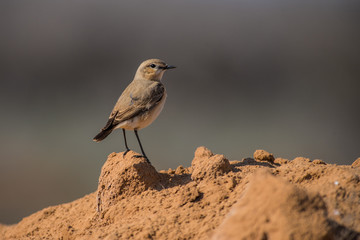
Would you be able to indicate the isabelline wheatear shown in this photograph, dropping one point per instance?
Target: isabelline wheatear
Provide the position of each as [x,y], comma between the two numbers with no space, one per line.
[140,103]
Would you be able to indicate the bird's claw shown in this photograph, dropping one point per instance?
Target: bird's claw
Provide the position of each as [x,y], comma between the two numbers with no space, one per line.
[127,150]
[142,156]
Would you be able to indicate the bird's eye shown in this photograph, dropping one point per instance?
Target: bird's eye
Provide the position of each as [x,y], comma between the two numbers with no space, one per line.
[152,65]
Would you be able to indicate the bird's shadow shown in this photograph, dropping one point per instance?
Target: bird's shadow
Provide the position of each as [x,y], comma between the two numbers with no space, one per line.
[252,162]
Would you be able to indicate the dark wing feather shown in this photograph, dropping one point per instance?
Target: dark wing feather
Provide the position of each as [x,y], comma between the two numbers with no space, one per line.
[110,123]
[105,131]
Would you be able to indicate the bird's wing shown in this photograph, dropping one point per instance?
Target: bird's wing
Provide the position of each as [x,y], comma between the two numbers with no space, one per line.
[136,99]
[110,123]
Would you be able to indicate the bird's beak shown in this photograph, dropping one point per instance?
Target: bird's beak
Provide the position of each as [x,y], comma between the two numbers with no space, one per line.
[169,67]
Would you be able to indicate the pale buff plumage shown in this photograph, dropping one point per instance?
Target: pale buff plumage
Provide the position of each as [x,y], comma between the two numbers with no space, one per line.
[140,103]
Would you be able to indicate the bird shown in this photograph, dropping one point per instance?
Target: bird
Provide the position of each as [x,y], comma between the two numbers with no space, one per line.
[139,104]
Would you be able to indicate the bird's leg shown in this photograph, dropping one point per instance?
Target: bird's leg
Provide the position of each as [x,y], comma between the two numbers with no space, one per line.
[126,146]
[142,150]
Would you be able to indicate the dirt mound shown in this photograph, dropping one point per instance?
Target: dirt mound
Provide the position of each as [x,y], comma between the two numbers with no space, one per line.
[207,165]
[260,198]
[121,178]
[263,155]
[279,211]
[356,163]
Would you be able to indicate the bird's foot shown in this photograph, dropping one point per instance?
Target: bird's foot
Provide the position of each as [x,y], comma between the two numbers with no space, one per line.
[127,150]
[142,156]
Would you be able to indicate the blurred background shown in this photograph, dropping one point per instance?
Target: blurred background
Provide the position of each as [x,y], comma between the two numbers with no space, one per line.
[283,76]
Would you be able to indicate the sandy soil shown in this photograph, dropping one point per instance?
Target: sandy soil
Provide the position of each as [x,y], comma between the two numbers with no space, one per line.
[257,198]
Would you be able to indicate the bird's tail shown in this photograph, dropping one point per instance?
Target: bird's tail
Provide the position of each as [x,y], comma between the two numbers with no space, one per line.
[102,135]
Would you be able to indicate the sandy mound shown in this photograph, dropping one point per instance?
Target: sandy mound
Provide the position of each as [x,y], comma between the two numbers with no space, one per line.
[120,179]
[257,198]
[281,210]
[207,165]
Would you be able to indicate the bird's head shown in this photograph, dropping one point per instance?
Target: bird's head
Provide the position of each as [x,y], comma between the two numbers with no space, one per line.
[152,69]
